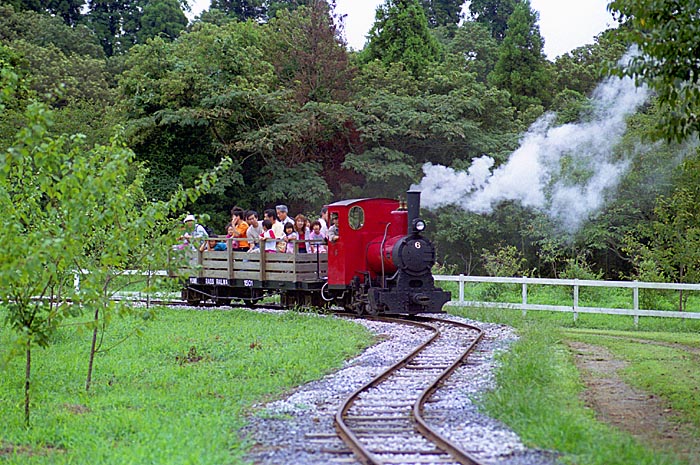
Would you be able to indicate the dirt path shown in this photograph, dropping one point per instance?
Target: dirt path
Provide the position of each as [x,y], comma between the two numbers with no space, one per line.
[641,414]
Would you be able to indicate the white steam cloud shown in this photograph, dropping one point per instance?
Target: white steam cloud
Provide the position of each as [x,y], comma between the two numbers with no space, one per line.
[564,171]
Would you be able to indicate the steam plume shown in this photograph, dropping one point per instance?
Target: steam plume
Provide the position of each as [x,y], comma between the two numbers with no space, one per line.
[534,174]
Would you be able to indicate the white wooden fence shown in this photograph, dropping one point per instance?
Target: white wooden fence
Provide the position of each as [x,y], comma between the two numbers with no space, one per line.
[576,284]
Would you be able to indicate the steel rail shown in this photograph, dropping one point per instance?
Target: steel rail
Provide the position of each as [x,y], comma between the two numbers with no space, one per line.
[354,443]
[346,434]
[421,423]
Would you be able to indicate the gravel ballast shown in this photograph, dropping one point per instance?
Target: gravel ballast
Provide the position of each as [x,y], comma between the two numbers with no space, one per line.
[298,429]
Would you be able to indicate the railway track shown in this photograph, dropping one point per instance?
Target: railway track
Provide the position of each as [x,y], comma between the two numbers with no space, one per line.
[383,422]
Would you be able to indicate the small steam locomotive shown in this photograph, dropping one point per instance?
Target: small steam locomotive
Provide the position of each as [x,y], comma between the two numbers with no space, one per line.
[380,264]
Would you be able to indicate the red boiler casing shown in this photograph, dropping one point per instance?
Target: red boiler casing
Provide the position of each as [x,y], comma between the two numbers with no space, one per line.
[369,228]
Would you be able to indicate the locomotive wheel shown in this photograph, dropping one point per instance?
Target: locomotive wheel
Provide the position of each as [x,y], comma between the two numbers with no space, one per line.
[223,302]
[193,302]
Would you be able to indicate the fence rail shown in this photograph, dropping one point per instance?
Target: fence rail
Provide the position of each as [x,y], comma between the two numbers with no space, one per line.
[576,284]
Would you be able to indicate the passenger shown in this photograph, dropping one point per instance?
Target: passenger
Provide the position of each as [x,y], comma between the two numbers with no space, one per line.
[268,235]
[323,220]
[302,231]
[333,232]
[282,214]
[254,229]
[194,232]
[289,236]
[237,215]
[277,226]
[231,233]
[317,235]
[212,244]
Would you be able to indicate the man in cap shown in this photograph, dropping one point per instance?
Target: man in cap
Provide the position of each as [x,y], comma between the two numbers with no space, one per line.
[193,230]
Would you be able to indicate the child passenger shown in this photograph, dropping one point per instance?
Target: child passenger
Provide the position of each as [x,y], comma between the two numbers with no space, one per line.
[268,235]
[212,244]
[317,235]
[290,235]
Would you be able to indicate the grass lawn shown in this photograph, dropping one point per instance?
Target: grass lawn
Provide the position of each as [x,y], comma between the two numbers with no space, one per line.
[539,385]
[177,394]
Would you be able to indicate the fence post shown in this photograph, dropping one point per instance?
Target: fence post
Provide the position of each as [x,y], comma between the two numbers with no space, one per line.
[148,286]
[635,299]
[461,289]
[575,301]
[524,298]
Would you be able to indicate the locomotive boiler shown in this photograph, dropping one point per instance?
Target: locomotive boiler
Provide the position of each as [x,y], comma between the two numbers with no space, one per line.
[380,264]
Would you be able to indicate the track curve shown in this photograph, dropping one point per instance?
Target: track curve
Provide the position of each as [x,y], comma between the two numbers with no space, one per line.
[382,422]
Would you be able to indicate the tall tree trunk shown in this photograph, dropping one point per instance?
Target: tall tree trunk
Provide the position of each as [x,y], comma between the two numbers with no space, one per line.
[27,376]
[92,350]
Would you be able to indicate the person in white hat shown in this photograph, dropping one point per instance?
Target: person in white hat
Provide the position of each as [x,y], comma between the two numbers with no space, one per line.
[193,230]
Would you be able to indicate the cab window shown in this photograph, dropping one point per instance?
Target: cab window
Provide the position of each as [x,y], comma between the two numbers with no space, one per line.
[356,217]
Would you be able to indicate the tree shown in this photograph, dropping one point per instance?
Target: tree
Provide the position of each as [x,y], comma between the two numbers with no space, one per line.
[309,55]
[62,79]
[444,117]
[669,246]
[61,202]
[474,48]
[493,14]
[44,30]
[68,10]
[521,67]
[443,12]
[583,68]
[242,10]
[400,34]
[45,186]
[116,23]
[163,18]
[666,36]
[192,101]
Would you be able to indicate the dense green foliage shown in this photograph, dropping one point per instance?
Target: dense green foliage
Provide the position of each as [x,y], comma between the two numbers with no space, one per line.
[521,67]
[400,35]
[666,34]
[306,122]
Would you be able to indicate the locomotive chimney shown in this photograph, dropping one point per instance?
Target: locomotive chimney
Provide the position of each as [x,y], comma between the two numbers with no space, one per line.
[413,200]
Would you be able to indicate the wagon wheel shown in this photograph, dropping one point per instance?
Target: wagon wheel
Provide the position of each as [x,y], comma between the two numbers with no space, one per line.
[255,297]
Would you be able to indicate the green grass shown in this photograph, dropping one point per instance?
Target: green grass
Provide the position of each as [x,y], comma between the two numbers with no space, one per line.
[539,385]
[177,394]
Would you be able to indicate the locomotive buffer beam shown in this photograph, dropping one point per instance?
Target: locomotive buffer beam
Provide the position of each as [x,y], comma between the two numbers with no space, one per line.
[402,301]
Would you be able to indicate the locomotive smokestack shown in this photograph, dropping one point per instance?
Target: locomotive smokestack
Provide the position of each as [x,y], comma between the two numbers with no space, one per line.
[413,201]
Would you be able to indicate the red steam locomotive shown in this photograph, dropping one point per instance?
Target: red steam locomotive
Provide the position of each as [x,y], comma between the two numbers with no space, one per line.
[380,264]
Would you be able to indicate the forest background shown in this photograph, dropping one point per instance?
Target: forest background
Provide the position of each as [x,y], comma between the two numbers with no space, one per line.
[271,86]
